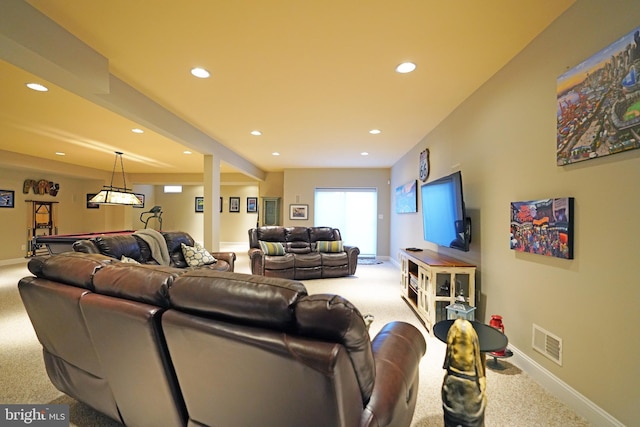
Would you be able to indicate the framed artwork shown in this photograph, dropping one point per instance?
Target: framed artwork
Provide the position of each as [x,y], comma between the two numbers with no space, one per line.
[298,211]
[234,204]
[598,103]
[252,204]
[543,227]
[89,204]
[7,199]
[407,197]
[220,204]
[141,197]
[199,204]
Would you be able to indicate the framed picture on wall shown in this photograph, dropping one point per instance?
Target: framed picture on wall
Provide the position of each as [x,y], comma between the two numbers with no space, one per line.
[199,204]
[234,204]
[252,204]
[89,204]
[7,199]
[298,211]
[141,197]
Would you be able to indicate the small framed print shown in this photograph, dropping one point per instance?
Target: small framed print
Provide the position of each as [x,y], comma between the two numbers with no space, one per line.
[234,204]
[89,204]
[7,198]
[298,211]
[141,197]
[199,204]
[252,204]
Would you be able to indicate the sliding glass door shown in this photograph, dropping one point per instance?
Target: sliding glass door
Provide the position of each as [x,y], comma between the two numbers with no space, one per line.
[351,210]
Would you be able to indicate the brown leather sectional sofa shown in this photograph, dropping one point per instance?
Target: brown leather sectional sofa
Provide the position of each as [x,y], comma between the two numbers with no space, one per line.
[134,247]
[301,259]
[161,346]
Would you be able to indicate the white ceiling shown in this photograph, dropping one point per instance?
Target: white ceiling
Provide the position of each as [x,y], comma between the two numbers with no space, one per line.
[313,76]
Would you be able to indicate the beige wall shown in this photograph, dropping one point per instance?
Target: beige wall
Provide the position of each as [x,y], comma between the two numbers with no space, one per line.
[503,141]
[71,214]
[300,185]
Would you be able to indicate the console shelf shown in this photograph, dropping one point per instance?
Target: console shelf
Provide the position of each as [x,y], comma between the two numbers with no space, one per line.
[431,281]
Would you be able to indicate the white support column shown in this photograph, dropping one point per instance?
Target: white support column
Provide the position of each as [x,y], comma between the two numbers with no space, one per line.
[211,203]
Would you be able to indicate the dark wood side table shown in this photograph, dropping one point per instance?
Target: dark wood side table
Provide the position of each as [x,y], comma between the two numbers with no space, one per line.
[489,338]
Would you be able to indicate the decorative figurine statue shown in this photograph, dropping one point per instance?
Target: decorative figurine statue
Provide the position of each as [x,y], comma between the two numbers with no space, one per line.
[463,388]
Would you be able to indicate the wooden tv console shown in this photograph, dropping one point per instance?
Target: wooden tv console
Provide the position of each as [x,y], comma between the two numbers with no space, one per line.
[431,281]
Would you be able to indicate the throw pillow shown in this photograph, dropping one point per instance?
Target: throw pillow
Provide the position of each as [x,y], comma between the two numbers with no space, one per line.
[128,260]
[271,248]
[196,255]
[329,246]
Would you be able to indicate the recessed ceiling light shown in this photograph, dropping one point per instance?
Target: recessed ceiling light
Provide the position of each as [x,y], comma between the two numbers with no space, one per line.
[200,73]
[136,130]
[256,132]
[364,153]
[37,87]
[406,67]
[275,153]
[374,131]
[186,152]
[60,153]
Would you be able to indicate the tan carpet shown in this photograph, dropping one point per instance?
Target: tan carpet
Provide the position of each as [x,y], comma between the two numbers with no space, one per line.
[513,398]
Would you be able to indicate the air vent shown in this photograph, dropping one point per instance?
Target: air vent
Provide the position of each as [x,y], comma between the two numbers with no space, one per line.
[548,344]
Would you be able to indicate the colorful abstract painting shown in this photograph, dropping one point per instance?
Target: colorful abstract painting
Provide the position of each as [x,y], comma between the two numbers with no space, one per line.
[543,227]
[598,111]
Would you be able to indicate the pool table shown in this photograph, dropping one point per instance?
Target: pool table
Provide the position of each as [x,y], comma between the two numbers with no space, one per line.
[59,243]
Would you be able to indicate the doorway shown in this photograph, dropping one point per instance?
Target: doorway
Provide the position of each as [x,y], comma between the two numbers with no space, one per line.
[354,212]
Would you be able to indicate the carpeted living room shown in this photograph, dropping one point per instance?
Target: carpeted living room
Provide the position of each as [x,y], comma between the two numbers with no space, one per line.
[255,110]
[513,397]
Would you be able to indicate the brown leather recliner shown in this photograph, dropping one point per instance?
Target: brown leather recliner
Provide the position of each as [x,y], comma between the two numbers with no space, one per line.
[302,258]
[164,346]
[132,246]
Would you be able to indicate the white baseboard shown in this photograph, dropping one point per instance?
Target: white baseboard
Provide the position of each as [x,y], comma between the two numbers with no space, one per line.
[562,391]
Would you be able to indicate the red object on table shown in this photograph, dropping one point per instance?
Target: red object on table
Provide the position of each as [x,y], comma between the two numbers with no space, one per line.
[496,322]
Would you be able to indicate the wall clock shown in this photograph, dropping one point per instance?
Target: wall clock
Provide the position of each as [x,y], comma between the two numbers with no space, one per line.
[424,165]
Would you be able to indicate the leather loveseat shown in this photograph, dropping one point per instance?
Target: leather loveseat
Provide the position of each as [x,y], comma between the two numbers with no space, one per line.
[135,248]
[300,253]
[160,346]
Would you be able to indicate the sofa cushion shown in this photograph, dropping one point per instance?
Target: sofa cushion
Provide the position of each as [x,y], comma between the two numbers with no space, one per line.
[174,240]
[296,234]
[138,282]
[329,246]
[333,318]
[196,255]
[271,248]
[308,260]
[322,233]
[256,300]
[298,247]
[271,234]
[72,268]
[331,259]
[116,246]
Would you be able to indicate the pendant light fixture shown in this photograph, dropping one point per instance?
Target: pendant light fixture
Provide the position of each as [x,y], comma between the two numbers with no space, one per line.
[110,195]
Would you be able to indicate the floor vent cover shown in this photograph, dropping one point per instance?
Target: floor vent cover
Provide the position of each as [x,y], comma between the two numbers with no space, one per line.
[548,344]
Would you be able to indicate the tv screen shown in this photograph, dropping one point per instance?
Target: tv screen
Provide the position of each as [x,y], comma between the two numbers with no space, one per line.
[443,213]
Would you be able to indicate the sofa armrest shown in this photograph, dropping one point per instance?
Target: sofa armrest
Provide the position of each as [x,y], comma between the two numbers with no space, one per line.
[352,255]
[256,260]
[229,257]
[397,350]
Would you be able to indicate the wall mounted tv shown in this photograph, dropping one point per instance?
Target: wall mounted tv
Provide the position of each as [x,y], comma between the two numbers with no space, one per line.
[444,217]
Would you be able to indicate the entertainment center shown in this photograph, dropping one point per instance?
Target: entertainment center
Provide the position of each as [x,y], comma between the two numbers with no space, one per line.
[431,281]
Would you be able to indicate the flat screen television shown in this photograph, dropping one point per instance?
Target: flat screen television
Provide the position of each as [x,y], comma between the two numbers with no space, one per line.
[444,218]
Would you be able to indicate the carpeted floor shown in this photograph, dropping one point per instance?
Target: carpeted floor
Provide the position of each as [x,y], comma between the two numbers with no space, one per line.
[513,398]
